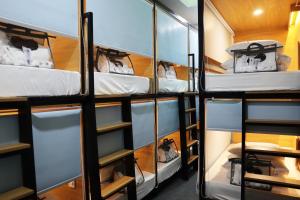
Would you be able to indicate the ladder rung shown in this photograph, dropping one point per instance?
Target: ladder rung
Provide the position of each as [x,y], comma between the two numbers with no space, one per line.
[191,127]
[115,186]
[277,194]
[273,122]
[191,143]
[192,159]
[272,180]
[190,110]
[281,152]
[16,194]
[106,160]
[13,148]
[113,127]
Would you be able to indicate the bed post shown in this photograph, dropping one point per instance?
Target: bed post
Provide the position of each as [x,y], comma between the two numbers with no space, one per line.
[92,182]
[201,88]
[244,114]
[155,88]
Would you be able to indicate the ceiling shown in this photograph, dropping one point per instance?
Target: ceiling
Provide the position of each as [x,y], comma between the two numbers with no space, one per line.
[238,14]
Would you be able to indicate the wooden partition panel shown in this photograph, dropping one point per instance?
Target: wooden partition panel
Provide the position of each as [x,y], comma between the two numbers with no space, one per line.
[65,53]
[146,158]
[282,140]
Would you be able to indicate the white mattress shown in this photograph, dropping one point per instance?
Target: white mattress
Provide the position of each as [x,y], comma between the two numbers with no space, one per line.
[31,81]
[166,170]
[172,85]
[218,181]
[147,186]
[107,84]
[264,81]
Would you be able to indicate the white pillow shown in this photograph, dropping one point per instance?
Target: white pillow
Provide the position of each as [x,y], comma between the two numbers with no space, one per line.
[41,57]
[170,73]
[237,148]
[245,44]
[3,38]
[228,64]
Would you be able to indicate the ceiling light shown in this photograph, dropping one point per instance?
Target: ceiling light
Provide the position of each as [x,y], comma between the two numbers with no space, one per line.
[189,3]
[258,12]
[294,15]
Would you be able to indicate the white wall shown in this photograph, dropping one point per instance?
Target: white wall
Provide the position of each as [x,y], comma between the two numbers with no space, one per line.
[217,36]
[215,144]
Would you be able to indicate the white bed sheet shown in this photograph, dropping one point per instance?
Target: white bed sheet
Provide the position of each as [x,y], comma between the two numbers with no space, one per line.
[107,84]
[172,85]
[166,170]
[218,180]
[31,81]
[264,81]
[147,186]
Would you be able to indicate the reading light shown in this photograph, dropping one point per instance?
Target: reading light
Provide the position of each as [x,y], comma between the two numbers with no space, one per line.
[295,14]
[258,12]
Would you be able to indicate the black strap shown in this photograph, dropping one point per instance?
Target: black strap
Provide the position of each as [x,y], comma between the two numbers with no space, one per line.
[135,160]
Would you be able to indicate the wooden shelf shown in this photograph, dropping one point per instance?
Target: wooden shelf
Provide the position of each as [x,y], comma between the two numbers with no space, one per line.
[192,159]
[113,127]
[106,160]
[272,180]
[16,194]
[190,127]
[115,186]
[12,99]
[13,147]
[190,110]
[264,122]
[281,152]
[191,143]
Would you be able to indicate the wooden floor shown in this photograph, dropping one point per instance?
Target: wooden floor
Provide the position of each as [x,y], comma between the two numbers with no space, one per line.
[65,192]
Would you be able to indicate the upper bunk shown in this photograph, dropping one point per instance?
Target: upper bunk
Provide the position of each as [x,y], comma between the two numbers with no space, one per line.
[39,46]
[135,48]
[258,54]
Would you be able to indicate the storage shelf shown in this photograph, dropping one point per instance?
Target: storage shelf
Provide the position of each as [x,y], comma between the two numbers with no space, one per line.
[265,122]
[113,127]
[277,181]
[16,194]
[115,186]
[281,152]
[190,110]
[106,160]
[191,143]
[192,159]
[13,148]
[191,127]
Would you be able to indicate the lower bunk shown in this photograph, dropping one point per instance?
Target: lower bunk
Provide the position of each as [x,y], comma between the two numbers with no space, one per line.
[223,177]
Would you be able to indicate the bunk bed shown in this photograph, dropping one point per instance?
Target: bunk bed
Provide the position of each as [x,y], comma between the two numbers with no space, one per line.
[29,80]
[111,88]
[253,102]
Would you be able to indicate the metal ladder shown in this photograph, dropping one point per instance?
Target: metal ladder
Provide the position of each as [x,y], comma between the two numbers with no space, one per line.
[125,155]
[263,179]
[188,133]
[24,148]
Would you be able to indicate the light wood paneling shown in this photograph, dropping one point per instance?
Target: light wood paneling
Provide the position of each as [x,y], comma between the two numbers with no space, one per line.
[145,158]
[278,34]
[66,53]
[282,140]
[65,192]
[239,14]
